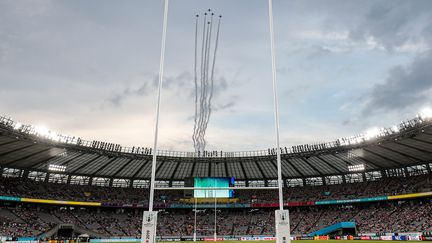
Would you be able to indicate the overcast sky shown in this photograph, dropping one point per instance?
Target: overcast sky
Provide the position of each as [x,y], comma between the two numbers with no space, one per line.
[89,69]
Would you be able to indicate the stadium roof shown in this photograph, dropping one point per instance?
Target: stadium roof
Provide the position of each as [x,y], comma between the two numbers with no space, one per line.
[22,149]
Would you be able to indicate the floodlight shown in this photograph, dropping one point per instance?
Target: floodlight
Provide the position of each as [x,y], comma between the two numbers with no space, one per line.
[18,126]
[372,133]
[42,131]
[358,167]
[395,129]
[58,168]
[426,113]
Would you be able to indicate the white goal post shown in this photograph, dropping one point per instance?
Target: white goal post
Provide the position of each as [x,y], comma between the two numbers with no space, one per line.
[282,222]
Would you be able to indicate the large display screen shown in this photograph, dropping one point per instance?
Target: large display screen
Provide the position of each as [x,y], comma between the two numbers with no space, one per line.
[213,182]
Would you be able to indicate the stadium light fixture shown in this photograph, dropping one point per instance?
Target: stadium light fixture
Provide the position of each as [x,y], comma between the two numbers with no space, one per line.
[57,168]
[426,113]
[18,126]
[372,133]
[42,131]
[395,129]
[45,132]
[354,168]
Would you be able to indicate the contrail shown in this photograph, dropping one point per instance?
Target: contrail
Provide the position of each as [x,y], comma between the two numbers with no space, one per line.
[212,76]
[204,91]
[206,88]
[196,132]
[195,78]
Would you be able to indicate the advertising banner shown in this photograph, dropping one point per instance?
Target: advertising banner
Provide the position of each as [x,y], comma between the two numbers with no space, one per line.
[414,237]
[169,239]
[386,237]
[212,239]
[265,205]
[231,238]
[6,198]
[305,238]
[45,201]
[357,200]
[399,237]
[115,240]
[322,237]
[298,204]
[257,238]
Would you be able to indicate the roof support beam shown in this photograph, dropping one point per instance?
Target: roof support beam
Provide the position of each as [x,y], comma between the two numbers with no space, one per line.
[337,155]
[104,166]
[244,171]
[226,168]
[384,157]
[26,157]
[158,167]
[122,167]
[141,167]
[6,143]
[64,163]
[85,164]
[413,147]
[364,160]
[175,170]
[42,161]
[261,170]
[273,162]
[401,153]
[16,150]
[312,166]
[289,162]
[421,140]
[329,164]
[193,168]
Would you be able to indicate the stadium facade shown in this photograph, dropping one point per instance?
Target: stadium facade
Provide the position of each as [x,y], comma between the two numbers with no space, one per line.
[402,150]
[371,186]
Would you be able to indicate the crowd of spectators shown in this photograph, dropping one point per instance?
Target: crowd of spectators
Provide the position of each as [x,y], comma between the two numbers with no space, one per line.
[31,220]
[20,187]
[397,216]
[386,186]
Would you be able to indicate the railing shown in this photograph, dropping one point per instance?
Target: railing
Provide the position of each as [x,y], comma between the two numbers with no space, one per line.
[44,133]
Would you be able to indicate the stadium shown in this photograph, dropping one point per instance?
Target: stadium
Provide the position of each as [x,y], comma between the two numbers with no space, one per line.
[368,187]
[340,68]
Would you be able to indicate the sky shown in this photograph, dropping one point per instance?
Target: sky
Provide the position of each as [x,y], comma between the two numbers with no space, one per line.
[90,69]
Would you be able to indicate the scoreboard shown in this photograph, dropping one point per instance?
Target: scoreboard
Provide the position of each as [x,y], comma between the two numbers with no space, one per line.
[212,182]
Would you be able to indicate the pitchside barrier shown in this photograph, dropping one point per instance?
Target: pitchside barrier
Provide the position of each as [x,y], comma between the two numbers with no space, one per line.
[387,237]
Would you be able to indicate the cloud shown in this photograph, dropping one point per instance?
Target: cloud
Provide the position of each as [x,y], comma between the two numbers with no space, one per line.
[181,83]
[149,86]
[405,87]
[393,24]
[228,105]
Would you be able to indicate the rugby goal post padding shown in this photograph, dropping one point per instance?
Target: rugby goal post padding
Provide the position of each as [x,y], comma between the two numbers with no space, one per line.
[282,226]
[148,232]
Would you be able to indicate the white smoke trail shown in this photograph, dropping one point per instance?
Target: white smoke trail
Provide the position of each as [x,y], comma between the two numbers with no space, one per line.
[204,92]
[212,76]
[195,79]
